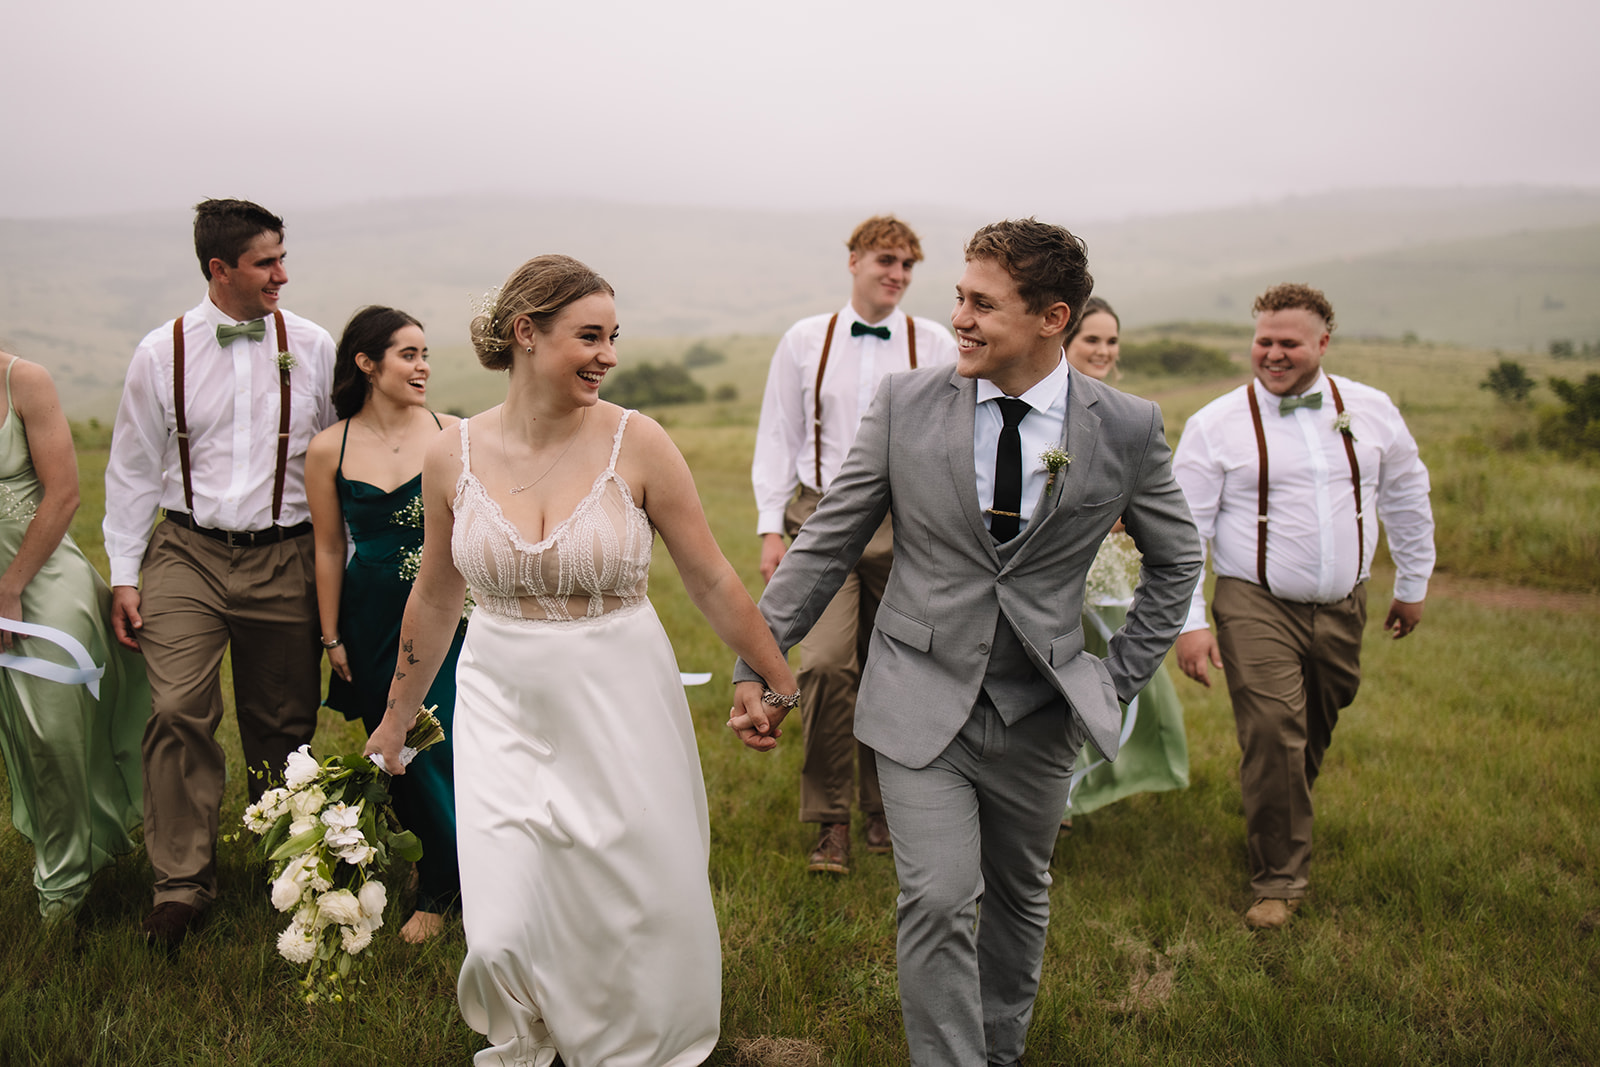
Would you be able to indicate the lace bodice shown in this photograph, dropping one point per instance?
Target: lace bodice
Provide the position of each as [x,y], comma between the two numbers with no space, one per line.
[595,561]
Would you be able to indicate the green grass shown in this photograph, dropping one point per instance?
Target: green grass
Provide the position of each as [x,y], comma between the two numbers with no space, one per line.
[1457,876]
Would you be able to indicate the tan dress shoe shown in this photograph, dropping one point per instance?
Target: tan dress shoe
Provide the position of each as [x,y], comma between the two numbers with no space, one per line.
[1270,913]
[832,854]
[878,835]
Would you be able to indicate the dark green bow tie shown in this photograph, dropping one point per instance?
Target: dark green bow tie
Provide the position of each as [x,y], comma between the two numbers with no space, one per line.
[255,330]
[1311,401]
[859,328]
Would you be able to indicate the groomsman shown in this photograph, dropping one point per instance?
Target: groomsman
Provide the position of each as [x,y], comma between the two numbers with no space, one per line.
[1285,476]
[211,434]
[824,373]
[1003,475]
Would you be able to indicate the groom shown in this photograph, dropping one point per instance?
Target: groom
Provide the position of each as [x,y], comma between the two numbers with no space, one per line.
[977,693]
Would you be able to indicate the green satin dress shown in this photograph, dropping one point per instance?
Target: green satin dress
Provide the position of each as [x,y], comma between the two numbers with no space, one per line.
[386,532]
[73,759]
[1155,754]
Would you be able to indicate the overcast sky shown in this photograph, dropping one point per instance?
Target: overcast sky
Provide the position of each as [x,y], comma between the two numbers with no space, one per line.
[1053,107]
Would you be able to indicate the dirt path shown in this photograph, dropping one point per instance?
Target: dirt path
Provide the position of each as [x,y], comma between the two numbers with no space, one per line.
[1511,597]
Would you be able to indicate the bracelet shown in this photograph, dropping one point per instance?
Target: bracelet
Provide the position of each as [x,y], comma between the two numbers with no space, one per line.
[330,645]
[787,701]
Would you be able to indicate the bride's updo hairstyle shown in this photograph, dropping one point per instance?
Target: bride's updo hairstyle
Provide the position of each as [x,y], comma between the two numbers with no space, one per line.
[541,289]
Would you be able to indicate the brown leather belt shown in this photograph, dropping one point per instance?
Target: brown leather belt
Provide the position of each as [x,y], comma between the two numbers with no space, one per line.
[240,538]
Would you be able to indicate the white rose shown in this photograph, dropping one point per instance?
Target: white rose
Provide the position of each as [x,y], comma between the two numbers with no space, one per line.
[274,802]
[354,938]
[374,898]
[342,817]
[256,819]
[300,768]
[301,825]
[296,944]
[340,906]
[285,890]
[306,803]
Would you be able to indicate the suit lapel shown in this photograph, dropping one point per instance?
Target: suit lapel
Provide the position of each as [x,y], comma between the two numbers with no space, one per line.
[1080,433]
[959,420]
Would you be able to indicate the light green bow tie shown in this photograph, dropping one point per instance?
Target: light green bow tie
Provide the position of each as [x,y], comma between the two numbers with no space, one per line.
[254,330]
[1311,401]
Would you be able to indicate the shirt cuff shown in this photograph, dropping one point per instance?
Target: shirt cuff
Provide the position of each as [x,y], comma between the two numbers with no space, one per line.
[1197,616]
[1410,590]
[769,522]
[125,572]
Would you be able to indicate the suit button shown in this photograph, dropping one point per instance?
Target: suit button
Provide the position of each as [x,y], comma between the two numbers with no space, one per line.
[983,646]
[1004,578]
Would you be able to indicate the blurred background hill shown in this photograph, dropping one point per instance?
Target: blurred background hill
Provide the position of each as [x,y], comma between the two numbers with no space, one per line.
[1512,268]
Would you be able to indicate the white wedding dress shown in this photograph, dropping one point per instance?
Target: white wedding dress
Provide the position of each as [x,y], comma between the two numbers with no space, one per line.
[580,806]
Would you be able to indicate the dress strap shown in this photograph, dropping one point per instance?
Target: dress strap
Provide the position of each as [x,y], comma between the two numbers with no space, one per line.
[436,421]
[616,442]
[10,406]
[344,440]
[466,459]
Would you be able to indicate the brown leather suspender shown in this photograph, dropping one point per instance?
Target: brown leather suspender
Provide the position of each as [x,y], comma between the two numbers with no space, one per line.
[180,416]
[1261,488]
[822,366]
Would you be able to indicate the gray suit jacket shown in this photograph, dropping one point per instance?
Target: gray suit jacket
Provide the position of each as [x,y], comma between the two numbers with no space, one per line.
[913,457]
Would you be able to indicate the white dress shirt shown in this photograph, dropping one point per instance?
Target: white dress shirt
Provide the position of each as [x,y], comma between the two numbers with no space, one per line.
[1311,510]
[231,400]
[785,442]
[1040,431]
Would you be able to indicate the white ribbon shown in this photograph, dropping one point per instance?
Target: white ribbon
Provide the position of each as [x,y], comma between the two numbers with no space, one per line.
[1131,717]
[407,754]
[694,679]
[85,673]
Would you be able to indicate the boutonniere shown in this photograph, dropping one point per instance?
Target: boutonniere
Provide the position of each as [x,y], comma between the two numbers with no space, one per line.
[1341,422]
[286,361]
[1055,460]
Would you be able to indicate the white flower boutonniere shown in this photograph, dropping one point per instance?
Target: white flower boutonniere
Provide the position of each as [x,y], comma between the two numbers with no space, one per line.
[1054,460]
[286,361]
[1341,422]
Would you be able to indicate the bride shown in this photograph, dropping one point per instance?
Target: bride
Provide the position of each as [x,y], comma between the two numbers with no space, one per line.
[581,812]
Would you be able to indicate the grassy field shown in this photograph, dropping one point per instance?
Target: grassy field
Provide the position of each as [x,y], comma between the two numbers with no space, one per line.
[1457,882]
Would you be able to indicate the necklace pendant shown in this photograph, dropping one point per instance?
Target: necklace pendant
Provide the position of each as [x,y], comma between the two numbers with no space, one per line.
[517,489]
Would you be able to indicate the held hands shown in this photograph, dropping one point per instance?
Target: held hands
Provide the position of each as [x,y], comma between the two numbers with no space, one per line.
[1402,618]
[1195,651]
[755,723]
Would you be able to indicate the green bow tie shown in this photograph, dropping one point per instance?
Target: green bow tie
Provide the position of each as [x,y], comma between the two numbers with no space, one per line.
[254,330]
[1311,401]
[859,328]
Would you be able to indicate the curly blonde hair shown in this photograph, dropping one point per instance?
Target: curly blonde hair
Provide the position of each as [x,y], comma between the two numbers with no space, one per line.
[884,231]
[541,289]
[1291,295]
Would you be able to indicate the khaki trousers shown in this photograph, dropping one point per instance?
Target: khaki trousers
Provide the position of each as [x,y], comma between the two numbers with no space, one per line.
[199,598]
[1290,668]
[830,673]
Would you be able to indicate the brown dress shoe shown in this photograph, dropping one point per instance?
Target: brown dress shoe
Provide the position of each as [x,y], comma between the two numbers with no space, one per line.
[832,854]
[166,926]
[878,840]
[1270,913]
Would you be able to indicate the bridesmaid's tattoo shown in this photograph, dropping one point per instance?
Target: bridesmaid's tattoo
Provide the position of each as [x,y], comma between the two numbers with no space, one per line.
[410,659]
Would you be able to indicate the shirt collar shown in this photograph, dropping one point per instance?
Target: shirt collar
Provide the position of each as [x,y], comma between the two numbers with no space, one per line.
[1318,385]
[848,314]
[1047,393]
[215,316]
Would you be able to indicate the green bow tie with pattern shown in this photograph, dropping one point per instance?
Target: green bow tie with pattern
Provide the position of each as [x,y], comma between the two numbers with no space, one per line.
[1311,402]
[859,328]
[254,330]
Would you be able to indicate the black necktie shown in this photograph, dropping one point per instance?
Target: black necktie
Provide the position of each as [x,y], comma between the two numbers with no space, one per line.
[859,328]
[1005,517]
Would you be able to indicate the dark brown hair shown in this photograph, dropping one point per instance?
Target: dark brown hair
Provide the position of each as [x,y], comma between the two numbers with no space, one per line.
[223,229]
[1046,261]
[370,331]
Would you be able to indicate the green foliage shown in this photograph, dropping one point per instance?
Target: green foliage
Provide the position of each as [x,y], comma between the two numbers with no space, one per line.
[1175,358]
[701,354]
[1578,427]
[1562,349]
[1508,381]
[725,393]
[652,385]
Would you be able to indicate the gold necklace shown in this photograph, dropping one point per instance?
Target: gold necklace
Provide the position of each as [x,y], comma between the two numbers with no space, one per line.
[372,429]
[519,488]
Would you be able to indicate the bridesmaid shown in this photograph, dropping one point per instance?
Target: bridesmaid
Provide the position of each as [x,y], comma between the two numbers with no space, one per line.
[1155,756]
[72,755]
[366,471]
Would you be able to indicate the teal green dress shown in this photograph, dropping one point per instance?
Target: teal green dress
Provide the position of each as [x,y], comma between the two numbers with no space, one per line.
[1155,752]
[386,531]
[73,759]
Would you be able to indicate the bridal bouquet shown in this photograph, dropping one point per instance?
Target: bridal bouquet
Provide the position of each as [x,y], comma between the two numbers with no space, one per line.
[328,834]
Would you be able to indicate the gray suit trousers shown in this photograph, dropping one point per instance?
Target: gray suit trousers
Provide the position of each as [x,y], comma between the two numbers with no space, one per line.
[973,833]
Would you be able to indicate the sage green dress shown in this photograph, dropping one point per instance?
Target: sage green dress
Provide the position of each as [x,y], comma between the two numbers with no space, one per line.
[1155,751]
[386,532]
[73,759]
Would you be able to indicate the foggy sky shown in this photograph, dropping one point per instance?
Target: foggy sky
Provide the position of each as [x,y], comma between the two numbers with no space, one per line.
[1097,110]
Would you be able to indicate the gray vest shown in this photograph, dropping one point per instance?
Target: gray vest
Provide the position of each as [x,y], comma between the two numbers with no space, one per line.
[1011,680]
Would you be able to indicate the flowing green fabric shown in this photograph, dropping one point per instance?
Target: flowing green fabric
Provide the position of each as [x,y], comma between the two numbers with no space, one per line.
[73,760]
[386,529]
[1155,756]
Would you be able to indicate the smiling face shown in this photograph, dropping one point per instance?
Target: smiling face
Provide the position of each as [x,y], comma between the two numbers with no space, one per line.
[1096,348]
[997,337]
[574,354]
[401,372]
[249,289]
[881,278]
[1287,352]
